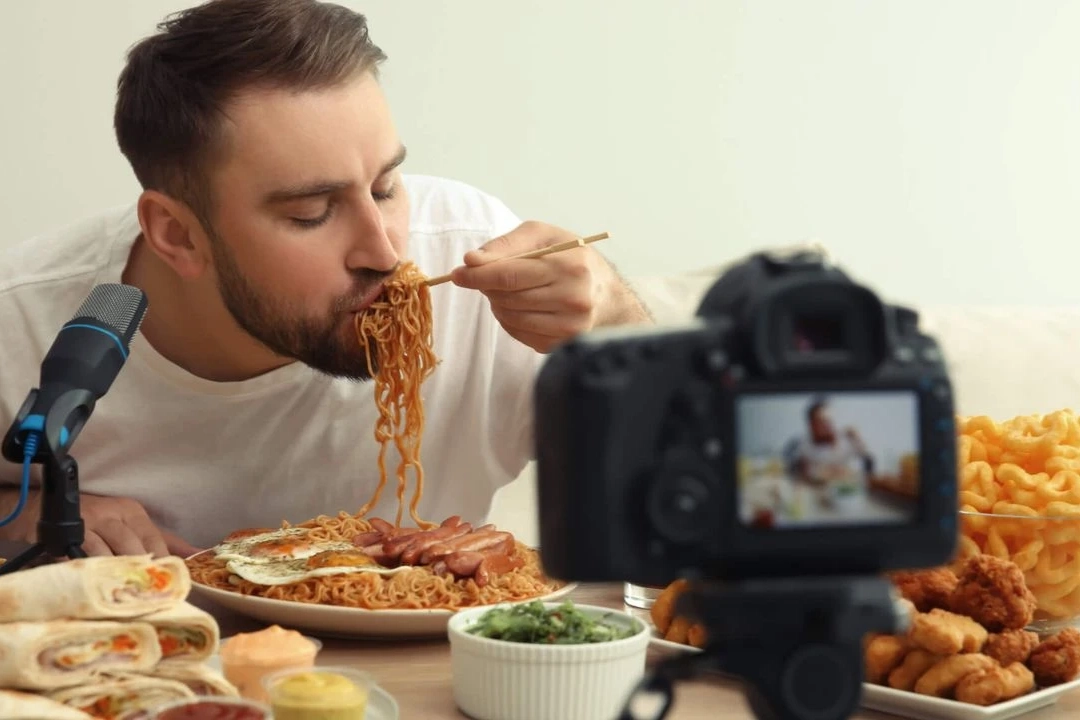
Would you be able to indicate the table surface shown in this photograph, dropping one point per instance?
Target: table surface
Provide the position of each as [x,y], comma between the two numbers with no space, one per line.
[417,672]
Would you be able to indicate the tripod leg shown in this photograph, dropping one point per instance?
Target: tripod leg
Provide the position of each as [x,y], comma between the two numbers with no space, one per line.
[22,559]
[75,551]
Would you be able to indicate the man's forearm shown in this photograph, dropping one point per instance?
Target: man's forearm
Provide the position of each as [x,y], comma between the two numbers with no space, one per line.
[624,307]
[22,528]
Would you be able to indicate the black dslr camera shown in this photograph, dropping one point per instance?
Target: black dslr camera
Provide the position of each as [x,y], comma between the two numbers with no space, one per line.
[780,452]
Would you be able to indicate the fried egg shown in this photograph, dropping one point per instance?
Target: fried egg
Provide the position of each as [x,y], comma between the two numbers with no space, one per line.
[275,546]
[324,563]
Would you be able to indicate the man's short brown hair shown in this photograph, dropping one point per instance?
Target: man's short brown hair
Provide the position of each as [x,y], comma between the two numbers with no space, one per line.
[172,93]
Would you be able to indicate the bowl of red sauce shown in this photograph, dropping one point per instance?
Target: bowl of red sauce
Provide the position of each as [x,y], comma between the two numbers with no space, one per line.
[216,708]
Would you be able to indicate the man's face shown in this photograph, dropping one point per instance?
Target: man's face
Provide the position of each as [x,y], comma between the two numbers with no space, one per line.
[821,427]
[310,218]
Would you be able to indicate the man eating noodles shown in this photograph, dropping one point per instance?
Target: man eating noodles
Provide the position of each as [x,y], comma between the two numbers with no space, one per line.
[273,210]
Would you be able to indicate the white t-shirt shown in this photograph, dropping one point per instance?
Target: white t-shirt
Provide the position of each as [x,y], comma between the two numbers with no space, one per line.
[206,458]
[840,460]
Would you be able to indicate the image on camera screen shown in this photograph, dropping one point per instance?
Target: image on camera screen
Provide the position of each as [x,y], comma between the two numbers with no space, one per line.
[827,459]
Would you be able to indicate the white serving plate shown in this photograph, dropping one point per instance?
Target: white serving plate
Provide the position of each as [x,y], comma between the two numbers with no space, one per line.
[924,707]
[342,621]
[921,707]
[381,704]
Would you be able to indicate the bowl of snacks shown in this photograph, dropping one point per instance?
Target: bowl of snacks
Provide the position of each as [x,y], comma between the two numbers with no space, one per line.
[1019,495]
[536,659]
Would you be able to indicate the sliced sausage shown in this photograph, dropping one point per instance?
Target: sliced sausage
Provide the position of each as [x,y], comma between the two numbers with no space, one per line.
[368,538]
[473,542]
[415,545]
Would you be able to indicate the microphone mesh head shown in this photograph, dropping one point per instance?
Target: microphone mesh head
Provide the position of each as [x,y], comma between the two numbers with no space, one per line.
[121,307]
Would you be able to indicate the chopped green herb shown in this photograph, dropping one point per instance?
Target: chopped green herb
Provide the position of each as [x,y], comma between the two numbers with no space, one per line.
[533,623]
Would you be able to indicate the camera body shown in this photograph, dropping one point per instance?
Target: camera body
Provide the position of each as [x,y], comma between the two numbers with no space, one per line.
[797,427]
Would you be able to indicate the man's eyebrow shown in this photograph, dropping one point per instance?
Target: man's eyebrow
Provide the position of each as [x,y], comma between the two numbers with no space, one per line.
[317,189]
[299,192]
[399,157]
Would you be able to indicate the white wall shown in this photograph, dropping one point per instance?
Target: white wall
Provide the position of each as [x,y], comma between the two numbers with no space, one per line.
[932,144]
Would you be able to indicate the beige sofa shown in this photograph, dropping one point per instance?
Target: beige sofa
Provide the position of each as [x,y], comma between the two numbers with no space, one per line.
[1004,361]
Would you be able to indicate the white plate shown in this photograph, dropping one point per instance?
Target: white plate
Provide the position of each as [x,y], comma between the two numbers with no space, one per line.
[922,707]
[381,704]
[342,621]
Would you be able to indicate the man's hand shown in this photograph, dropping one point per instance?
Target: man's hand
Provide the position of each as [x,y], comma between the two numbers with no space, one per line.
[114,526]
[544,301]
[121,526]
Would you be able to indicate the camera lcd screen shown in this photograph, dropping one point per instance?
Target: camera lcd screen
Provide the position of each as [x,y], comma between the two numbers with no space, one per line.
[827,459]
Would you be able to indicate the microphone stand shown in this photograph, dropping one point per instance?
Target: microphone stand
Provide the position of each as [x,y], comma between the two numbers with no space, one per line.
[60,528]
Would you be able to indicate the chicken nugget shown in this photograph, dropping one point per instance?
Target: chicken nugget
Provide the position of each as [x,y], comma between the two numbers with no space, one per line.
[945,633]
[995,684]
[663,608]
[882,655]
[915,663]
[1011,646]
[926,589]
[678,631]
[1056,659]
[941,679]
[697,636]
[992,591]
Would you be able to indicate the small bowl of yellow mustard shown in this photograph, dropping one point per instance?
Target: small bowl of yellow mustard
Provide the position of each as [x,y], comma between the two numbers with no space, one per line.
[319,693]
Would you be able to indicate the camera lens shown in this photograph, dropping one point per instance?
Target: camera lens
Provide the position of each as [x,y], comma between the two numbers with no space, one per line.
[680,504]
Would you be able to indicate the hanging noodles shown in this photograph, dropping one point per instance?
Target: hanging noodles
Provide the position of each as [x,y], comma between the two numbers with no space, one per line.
[398,329]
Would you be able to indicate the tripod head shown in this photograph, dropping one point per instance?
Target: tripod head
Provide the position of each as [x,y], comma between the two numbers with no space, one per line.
[796,643]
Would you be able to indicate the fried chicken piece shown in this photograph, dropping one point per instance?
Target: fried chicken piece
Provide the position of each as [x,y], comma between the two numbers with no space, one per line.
[942,678]
[1056,659]
[926,589]
[882,655]
[995,684]
[1011,646]
[697,636]
[915,663]
[678,631]
[663,609]
[945,633]
[992,592]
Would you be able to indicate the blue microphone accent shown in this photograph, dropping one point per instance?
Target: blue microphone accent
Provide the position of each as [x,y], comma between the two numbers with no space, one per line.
[36,424]
[101,330]
[29,450]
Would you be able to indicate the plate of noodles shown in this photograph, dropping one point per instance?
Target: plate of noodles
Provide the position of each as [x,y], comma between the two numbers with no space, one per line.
[351,576]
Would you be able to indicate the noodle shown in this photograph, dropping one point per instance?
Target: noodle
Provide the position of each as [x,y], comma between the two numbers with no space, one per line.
[398,328]
[418,588]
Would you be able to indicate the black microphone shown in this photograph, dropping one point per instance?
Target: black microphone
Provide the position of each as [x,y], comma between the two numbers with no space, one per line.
[79,368]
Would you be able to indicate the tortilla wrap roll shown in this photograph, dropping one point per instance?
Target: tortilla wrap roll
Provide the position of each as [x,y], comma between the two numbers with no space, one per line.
[200,678]
[122,697]
[15,705]
[62,653]
[186,633]
[95,588]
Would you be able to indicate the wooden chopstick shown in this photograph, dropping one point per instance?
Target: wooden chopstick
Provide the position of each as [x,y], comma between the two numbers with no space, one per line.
[541,252]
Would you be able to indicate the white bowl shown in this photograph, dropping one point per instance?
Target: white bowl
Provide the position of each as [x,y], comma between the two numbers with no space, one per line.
[502,680]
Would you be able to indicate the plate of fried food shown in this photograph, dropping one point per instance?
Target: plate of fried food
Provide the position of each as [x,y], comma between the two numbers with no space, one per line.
[967,654]
[357,577]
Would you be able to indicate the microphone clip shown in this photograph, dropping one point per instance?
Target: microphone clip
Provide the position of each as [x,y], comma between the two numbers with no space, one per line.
[44,439]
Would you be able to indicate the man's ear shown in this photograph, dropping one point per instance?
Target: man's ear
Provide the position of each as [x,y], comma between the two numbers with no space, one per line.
[174,234]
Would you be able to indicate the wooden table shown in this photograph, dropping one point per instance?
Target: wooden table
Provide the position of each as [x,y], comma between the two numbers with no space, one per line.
[417,673]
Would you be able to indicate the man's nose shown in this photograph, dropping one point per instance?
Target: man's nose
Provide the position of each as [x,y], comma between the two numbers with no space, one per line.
[372,246]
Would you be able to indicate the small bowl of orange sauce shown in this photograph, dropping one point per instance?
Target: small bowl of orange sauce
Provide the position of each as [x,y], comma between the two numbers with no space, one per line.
[247,658]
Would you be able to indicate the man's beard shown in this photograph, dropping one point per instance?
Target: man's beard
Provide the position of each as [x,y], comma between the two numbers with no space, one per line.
[321,345]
